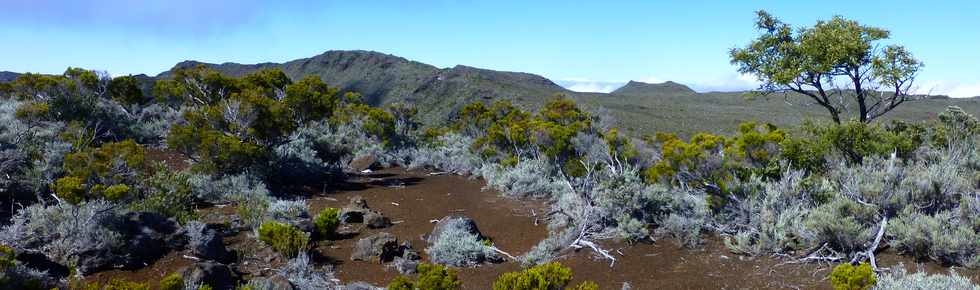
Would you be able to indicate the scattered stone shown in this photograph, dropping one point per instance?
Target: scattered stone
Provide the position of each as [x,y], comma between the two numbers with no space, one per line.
[375,220]
[208,244]
[405,266]
[148,237]
[93,260]
[354,211]
[363,162]
[218,276]
[351,216]
[381,247]
[407,252]
[279,282]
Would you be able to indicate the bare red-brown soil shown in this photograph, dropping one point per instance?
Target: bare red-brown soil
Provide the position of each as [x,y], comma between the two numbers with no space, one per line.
[413,199]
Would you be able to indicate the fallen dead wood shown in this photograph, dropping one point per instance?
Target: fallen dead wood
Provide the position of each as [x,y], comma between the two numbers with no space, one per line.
[499,251]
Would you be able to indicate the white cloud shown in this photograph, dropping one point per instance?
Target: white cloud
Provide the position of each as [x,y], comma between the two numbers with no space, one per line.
[589,86]
[726,83]
[965,91]
[742,82]
[952,89]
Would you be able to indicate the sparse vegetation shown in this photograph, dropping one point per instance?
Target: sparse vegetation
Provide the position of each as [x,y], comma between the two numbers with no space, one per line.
[79,151]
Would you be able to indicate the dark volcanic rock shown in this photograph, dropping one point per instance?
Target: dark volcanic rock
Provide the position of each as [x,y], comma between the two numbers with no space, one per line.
[363,162]
[405,266]
[381,247]
[206,243]
[218,276]
[375,220]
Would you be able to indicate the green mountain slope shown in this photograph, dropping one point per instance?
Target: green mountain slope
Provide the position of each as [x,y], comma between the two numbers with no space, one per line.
[639,108]
[385,79]
[668,88]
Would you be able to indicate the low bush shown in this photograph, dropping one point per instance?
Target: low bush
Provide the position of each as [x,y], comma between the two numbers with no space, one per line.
[527,178]
[456,246]
[119,284]
[284,238]
[899,279]
[292,212]
[449,152]
[300,272]
[326,222]
[843,224]
[941,237]
[104,172]
[550,276]
[64,231]
[850,277]
[430,277]
[769,215]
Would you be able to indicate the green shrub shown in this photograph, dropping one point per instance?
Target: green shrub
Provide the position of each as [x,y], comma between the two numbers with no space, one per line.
[101,172]
[284,238]
[7,261]
[168,193]
[326,222]
[550,276]
[118,284]
[587,285]
[401,283]
[252,207]
[849,277]
[853,140]
[172,282]
[430,277]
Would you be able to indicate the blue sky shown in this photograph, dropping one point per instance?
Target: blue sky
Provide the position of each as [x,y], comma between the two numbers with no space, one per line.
[592,46]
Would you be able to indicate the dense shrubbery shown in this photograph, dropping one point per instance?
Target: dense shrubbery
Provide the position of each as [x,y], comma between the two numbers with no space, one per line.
[234,125]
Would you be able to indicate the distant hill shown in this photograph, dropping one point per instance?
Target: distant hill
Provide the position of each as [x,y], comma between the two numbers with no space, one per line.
[385,79]
[6,76]
[635,88]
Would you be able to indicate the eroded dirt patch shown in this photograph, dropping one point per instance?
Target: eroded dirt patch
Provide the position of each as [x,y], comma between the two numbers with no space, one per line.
[413,199]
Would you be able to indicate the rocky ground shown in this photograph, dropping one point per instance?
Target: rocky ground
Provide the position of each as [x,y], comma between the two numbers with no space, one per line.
[390,214]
